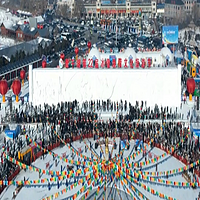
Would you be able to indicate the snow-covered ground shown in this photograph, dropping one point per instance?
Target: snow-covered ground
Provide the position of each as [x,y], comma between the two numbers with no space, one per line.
[194,32]
[40,190]
[103,115]
[7,17]
[7,42]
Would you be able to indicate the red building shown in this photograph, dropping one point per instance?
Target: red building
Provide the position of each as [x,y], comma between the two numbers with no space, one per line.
[23,32]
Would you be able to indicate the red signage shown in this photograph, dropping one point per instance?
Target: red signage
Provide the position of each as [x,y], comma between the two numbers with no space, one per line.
[96,64]
[126,63]
[121,11]
[134,11]
[143,64]
[112,11]
[137,63]
[78,64]
[102,63]
[114,63]
[149,62]
[84,63]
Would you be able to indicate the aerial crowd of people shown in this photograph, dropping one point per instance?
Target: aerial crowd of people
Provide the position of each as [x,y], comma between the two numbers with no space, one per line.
[71,119]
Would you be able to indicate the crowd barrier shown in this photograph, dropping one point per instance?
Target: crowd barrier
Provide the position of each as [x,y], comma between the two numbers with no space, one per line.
[90,135]
[11,177]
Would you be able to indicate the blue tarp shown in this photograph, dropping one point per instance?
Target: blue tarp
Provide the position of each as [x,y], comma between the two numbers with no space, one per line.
[196,132]
[123,144]
[189,52]
[12,131]
[139,143]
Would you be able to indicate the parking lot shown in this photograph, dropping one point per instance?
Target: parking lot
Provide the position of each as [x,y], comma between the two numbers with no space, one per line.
[78,33]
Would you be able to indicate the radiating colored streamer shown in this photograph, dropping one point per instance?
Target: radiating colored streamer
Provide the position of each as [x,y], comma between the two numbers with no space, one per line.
[74,150]
[95,120]
[48,172]
[117,191]
[57,156]
[115,133]
[148,189]
[102,152]
[161,181]
[171,172]
[57,194]
[153,160]
[127,142]
[132,188]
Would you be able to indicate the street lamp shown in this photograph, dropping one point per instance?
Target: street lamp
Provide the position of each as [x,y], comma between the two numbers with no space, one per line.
[116,21]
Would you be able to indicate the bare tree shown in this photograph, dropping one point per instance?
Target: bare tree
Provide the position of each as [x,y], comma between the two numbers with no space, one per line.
[181,20]
[189,36]
[196,13]
[63,11]
[35,7]
[185,37]
[79,9]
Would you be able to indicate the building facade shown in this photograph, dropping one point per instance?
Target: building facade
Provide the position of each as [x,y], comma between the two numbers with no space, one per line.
[103,9]
[69,3]
[23,32]
[189,5]
[174,8]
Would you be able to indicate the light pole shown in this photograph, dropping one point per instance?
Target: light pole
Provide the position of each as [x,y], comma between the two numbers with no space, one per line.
[116,21]
[106,161]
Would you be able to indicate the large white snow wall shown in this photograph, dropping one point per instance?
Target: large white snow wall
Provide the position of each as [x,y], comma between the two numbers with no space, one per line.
[156,86]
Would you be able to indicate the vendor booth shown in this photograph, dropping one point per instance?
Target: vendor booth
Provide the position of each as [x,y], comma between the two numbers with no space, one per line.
[195,129]
[12,131]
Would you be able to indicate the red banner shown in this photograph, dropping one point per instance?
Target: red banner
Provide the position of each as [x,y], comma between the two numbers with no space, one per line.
[112,11]
[134,11]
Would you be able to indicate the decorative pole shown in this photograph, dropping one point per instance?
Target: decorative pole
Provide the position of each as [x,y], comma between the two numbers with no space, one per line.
[89,44]
[76,52]
[107,161]
[140,21]
[22,76]
[106,149]
[116,21]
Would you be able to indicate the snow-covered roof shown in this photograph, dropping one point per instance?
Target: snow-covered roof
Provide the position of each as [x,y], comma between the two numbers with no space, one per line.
[94,52]
[158,57]
[165,51]
[130,52]
[10,25]
[39,19]
[20,22]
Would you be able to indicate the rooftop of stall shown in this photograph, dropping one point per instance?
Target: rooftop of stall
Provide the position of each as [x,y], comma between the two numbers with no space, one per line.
[12,131]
